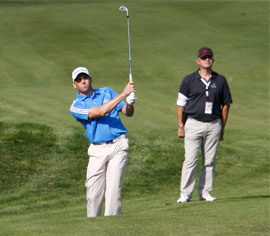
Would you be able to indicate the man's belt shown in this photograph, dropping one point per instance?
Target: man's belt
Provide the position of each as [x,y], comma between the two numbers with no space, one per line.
[113,140]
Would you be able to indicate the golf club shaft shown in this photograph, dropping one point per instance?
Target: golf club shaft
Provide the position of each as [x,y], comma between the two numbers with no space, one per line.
[129,51]
[123,8]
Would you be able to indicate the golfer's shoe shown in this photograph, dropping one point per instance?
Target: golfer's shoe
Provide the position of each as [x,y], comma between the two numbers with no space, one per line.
[183,199]
[207,198]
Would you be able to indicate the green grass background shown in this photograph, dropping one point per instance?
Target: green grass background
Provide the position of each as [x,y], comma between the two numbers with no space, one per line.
[44,151]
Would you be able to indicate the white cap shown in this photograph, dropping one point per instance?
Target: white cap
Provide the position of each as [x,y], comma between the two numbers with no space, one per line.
[78,71]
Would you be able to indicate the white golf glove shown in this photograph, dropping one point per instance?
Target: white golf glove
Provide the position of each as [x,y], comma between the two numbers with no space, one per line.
[131,99]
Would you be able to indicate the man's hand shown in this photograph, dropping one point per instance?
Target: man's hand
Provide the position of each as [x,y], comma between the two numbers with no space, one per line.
[181,131]
[221,134]
[128,89]
[131,98]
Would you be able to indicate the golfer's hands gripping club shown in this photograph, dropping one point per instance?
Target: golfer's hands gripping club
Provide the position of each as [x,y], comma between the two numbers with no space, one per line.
[131,98]
[129,92]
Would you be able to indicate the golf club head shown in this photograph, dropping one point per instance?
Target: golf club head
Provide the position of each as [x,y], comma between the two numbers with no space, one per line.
[123,8]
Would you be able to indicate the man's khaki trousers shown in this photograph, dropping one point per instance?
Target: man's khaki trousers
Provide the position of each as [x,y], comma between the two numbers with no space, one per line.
[105,170]
[202,136]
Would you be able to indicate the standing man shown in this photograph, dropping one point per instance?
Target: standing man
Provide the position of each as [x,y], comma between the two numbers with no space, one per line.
[204,97]
[98,111]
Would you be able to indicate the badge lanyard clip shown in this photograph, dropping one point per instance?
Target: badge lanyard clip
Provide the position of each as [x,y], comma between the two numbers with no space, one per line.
[207,84]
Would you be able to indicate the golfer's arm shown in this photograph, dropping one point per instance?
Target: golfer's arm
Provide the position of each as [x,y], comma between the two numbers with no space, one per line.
[180,110]
[128,110]
[225,112]
[95,112]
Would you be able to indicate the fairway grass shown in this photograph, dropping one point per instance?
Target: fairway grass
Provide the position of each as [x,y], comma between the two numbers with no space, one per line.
[149,216]
[44,150]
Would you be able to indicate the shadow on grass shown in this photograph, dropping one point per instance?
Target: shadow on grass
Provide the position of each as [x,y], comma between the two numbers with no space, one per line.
[243,197]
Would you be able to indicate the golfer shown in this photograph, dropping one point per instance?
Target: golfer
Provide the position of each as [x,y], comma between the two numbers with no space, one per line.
[203,105]
[98,111]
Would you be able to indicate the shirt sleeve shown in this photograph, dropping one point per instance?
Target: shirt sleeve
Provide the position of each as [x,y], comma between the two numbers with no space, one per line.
[184,87]
[183,93]
[79,111]
[227,97]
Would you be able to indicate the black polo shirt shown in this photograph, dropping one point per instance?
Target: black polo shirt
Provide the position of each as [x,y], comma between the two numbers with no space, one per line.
[195,90]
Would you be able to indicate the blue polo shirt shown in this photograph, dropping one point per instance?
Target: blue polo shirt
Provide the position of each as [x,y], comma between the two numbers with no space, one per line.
[101,129]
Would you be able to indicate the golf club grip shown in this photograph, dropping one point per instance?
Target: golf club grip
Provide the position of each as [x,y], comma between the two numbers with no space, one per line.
[130,78]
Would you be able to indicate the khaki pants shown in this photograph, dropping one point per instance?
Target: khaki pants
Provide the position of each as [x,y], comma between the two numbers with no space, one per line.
[105,169]
[202,136]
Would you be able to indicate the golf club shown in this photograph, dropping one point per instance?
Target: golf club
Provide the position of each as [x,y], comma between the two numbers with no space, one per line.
[123,8]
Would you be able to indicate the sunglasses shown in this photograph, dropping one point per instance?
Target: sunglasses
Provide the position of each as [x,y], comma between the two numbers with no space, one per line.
[206,57]
[79,78]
